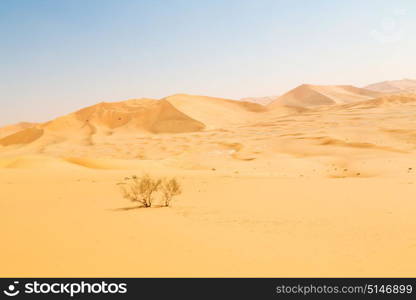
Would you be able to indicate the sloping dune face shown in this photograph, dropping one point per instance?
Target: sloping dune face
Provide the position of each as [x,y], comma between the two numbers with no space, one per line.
[215,112]
[167,119]
[104,122]
[24,136]
[142,114]
[308,95]
[11,129]
[394,86]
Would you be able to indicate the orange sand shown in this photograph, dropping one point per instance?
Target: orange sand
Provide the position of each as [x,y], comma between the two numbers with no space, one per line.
[324,190]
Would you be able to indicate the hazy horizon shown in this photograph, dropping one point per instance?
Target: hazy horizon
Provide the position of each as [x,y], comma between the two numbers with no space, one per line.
[60,56]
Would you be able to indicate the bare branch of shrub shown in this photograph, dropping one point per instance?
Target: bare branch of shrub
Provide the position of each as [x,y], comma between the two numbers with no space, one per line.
[140,189]
[170,188]
[143,190]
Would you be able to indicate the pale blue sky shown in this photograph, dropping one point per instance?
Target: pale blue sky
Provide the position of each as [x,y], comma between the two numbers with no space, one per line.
[57,56]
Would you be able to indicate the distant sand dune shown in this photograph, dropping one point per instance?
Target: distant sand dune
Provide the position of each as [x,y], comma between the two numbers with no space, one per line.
[24,136]
[215,112]
[308,95]
[11,129]
[127,117]
[221,135]
[394,86]
[136,114]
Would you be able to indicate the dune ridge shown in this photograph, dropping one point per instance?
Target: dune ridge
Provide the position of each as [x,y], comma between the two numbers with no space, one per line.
[130,117]
[215,112]
[141,114]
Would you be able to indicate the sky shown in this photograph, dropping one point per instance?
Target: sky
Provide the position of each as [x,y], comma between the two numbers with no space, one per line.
[59,56]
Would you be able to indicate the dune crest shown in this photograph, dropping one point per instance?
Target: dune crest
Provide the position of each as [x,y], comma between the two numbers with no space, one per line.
[129,117]
[215,112]
[135,114]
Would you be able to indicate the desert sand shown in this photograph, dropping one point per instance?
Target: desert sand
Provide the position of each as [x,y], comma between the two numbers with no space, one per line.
[11,129]
[394,86]
[321,183]
[308,95]
[260,100]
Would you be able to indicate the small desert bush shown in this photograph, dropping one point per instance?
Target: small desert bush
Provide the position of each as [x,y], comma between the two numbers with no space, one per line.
[146,190]
[170,188]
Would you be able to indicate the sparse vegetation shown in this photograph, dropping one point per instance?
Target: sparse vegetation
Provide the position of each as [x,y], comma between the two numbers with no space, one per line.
[170,188]
[145,189]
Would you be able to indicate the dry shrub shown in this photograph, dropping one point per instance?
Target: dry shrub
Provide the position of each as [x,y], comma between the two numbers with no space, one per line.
[143,190]
[170,188]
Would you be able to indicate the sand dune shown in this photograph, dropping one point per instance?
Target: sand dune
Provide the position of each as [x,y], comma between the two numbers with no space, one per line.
[24,136]
[136,114]
[394,86]
[11,129]
[307,95]
[260,100]
[215,112]
[174,114]
[129,117]
[308,190]
[249,139]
